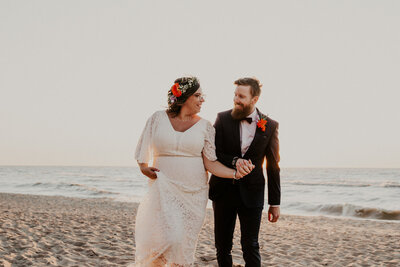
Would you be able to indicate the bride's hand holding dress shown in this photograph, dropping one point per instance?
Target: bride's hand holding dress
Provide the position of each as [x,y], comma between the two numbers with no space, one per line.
[148,171]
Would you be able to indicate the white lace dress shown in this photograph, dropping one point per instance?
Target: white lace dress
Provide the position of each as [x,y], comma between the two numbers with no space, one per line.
[171,214]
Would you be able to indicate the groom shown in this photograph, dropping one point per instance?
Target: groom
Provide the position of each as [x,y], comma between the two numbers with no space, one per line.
[244,133]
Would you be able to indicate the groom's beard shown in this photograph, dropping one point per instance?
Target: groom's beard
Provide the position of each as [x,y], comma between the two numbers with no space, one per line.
[242,113]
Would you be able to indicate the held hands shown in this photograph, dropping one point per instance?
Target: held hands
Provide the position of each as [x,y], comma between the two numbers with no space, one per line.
[149,171]
[243,167]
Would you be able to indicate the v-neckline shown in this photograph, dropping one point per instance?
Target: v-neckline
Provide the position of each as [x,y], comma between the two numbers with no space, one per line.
[170,123]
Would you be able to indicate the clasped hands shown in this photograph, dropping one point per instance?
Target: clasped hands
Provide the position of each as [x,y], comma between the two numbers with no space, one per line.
[243,167]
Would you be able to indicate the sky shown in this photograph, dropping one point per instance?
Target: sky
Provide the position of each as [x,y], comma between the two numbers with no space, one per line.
[79,79]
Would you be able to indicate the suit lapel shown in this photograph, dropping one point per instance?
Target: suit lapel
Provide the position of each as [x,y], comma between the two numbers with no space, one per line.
[257,136]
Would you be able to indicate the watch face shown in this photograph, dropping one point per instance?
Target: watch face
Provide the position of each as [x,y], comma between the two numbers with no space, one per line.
[234,162]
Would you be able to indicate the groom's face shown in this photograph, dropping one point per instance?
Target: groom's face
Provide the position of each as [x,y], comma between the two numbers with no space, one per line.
[243,102]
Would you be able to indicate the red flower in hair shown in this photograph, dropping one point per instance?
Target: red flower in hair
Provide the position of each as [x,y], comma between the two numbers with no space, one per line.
[175,90]
[261,124]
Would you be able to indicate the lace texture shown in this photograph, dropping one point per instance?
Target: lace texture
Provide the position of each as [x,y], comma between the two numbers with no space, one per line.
[209,143]
[171,214]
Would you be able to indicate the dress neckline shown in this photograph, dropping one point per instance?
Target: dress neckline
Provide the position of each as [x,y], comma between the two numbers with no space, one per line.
[170,123]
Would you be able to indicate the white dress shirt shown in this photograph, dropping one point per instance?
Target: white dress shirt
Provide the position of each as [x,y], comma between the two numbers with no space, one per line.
[248,131]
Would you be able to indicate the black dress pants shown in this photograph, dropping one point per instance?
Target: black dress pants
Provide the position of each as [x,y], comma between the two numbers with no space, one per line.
[226,208]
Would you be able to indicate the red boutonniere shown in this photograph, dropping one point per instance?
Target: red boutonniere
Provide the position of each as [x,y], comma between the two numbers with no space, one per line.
[175,90]
[261,123]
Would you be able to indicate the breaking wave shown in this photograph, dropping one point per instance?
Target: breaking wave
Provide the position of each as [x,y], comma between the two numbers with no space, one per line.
[358,211]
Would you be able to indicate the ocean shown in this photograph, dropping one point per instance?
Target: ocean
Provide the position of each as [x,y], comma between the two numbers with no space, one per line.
[357,193]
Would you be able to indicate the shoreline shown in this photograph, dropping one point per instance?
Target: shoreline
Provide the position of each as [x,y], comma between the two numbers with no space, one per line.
[65,231]
[209,207]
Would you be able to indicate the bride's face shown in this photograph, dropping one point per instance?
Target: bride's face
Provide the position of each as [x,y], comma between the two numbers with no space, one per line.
[194,102]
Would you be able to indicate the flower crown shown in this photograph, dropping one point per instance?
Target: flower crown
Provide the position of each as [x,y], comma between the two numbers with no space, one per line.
[178,89]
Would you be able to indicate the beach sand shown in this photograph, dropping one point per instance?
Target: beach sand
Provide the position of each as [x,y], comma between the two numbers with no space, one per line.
[61,231]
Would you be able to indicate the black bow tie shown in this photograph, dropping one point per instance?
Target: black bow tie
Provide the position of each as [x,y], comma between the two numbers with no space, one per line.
[249,120]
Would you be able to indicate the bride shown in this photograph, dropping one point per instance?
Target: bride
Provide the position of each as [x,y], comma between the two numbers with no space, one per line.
[181,144]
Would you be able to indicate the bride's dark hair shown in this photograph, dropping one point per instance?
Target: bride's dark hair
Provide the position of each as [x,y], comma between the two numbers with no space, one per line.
[175,103]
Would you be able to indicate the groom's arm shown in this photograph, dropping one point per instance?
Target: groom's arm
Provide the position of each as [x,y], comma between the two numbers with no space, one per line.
[273,170]
[224,158]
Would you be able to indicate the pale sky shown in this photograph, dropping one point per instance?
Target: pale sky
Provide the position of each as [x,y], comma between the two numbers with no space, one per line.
[78,79]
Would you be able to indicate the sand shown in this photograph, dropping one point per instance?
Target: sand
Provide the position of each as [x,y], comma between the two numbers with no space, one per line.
[61,231]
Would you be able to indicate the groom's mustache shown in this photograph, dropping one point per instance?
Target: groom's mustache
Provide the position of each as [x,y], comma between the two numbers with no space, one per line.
[238,104]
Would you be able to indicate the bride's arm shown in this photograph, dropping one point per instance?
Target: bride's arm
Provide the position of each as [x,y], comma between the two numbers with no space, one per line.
[220,170]
[217,168]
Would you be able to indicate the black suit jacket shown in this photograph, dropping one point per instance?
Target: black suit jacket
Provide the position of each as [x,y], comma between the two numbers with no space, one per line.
[265,145]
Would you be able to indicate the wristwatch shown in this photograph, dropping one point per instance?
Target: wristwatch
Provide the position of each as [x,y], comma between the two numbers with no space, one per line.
[234,176]
[234,160]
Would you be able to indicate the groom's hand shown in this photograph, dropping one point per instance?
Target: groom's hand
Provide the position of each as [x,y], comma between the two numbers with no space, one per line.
[273,213]
[244,167]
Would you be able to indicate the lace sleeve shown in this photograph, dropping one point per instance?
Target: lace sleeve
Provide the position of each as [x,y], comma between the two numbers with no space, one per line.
[144,146]
[209,143]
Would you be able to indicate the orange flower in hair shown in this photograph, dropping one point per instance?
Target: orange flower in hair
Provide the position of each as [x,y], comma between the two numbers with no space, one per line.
[175,90]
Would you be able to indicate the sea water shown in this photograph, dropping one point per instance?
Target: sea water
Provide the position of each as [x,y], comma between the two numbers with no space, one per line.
[358,193]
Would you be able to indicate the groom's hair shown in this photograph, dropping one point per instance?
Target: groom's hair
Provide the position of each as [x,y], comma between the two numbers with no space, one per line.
[255,85]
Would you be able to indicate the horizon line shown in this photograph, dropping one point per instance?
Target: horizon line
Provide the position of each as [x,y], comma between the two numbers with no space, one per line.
[135,166]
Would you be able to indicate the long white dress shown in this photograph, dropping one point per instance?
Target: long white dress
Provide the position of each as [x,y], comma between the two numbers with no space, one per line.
[171,214]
